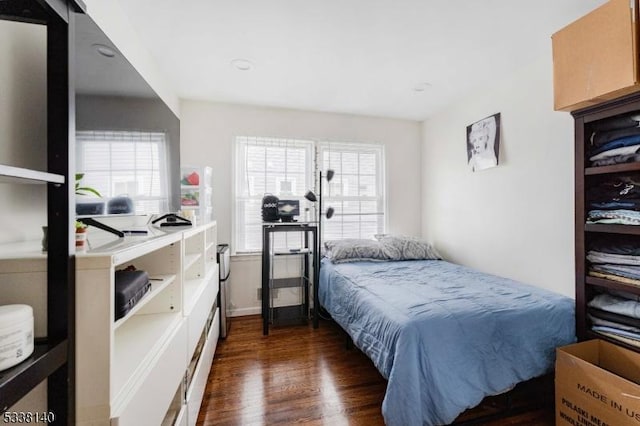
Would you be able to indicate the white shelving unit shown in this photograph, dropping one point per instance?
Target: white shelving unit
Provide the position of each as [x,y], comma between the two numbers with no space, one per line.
[201,288]
[150,367]
[133,371]
[196,192]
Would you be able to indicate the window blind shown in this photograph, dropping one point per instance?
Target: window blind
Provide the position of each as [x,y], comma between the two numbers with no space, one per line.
[126,163]
[287,168]
[282,167]
[356,191]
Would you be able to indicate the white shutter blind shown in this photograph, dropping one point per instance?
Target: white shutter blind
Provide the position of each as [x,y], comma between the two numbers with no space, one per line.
[356,191]
[282,167]
[125,163]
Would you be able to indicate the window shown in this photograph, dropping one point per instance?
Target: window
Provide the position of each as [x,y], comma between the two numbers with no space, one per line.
[356,191]
[282,167]
[286,168]
[132,164]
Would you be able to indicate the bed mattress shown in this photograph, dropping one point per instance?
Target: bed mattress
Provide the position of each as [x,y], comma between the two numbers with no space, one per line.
[443,335]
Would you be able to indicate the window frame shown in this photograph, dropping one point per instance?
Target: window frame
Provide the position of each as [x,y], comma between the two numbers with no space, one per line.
[236,199]
[330,200]
[315,165]
[84,137]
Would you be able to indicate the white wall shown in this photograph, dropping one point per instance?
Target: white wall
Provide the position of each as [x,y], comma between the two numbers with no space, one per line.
[23,127]
[207,134]
[515,220]
[113,21]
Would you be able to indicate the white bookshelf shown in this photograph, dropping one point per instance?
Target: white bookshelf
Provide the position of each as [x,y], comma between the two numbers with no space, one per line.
[191,259]
[136,344]
[158,283]
[132,371]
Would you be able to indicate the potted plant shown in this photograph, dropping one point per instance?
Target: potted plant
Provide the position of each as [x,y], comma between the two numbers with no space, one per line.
[81,228]
[84,190]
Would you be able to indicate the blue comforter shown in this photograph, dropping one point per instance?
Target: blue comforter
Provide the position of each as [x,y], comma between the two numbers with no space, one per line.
[443,335]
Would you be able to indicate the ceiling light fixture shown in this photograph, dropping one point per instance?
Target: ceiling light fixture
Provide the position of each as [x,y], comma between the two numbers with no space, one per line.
[242,64]
[421,87]
[104,50]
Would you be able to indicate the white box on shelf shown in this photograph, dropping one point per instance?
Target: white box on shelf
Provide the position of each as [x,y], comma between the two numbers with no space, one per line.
[196,192]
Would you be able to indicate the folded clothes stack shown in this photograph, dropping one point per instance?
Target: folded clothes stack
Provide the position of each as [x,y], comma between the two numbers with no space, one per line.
[616,200]
[616,315]
[619,261]
[615,141]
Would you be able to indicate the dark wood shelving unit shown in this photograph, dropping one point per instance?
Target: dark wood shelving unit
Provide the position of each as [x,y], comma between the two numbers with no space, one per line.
[52,359]
[587,286]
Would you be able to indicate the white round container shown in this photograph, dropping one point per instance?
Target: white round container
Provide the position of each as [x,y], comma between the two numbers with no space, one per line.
[16,334]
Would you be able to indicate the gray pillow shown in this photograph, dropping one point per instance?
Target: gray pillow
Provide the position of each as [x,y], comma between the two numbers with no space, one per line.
[354,250]
[399,247]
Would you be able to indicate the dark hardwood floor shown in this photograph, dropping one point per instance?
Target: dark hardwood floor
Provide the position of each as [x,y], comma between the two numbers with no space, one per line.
[301,375]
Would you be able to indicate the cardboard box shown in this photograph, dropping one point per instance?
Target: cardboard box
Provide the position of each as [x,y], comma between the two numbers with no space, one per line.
[596,57]
[597,383]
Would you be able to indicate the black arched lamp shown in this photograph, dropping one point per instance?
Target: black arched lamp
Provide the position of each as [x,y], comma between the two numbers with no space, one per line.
[311,196]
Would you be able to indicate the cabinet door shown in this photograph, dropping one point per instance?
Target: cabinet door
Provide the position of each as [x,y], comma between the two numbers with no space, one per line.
[594,58]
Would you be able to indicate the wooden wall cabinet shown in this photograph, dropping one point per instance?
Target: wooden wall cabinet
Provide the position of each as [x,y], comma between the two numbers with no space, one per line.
[595,58]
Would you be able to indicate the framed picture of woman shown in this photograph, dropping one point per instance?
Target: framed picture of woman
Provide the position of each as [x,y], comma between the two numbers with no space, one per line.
[483,143]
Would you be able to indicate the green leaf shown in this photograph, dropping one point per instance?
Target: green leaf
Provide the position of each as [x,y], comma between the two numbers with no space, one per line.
[84,190]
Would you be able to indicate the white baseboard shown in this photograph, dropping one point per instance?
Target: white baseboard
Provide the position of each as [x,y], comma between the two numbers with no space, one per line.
[245,311]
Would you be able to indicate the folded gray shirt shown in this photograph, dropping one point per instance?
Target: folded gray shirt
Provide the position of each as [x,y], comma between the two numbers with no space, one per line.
[617,305]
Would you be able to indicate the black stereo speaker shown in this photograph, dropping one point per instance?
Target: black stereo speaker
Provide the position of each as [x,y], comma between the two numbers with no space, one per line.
[270,208]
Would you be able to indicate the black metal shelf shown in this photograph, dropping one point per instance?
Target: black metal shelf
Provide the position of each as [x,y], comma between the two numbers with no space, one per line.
[292,252]
[298,313]
[288,315]
[55,360]
[17,381]
[289,282]
[10,174]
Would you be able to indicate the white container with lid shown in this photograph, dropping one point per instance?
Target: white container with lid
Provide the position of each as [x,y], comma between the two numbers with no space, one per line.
[16,334]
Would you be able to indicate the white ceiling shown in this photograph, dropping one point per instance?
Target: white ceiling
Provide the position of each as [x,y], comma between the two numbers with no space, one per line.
[349,56]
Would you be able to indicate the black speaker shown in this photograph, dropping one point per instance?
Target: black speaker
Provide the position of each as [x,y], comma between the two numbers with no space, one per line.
[270,208]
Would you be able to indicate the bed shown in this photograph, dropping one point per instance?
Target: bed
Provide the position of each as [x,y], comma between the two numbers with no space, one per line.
[443,335]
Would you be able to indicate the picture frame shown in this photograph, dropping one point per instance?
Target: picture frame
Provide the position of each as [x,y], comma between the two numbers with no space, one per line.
[483,143]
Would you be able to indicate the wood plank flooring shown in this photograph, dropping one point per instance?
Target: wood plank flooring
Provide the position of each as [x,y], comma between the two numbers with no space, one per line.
[301,375]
